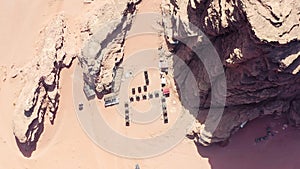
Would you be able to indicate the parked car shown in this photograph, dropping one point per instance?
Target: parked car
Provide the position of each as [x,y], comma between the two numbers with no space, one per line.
[80,106]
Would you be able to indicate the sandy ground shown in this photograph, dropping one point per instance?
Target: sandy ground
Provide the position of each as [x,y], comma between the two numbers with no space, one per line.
[22,21]
[154,127]
[65,145]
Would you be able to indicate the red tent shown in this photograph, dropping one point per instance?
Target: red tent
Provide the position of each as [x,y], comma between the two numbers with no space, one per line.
[166,91]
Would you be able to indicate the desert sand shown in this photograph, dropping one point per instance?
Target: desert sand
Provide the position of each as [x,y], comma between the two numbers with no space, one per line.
[66,145]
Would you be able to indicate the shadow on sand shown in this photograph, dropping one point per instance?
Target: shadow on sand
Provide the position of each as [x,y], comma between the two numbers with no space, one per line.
[280,151]
[29,147]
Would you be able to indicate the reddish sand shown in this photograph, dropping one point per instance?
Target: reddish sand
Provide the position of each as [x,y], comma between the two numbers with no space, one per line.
[65,145]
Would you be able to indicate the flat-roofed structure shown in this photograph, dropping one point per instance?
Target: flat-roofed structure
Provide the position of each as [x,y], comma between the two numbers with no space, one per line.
[163,66]
[111,100]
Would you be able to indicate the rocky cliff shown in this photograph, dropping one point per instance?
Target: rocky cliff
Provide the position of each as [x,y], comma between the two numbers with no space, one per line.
[258,43]
[39,97]
[104,50]
[58,47]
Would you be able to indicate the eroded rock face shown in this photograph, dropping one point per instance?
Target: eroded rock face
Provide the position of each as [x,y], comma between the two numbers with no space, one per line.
[104,50]
[258,43]
[274,21]
[39,98]
[40,95]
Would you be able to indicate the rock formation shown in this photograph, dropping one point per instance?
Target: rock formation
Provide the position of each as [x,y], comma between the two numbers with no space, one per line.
[104,51]
[40,95]
[258,43]
[39,98]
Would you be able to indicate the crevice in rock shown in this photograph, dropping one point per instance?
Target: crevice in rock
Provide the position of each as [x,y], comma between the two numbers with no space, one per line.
[256,84]
[40,95]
